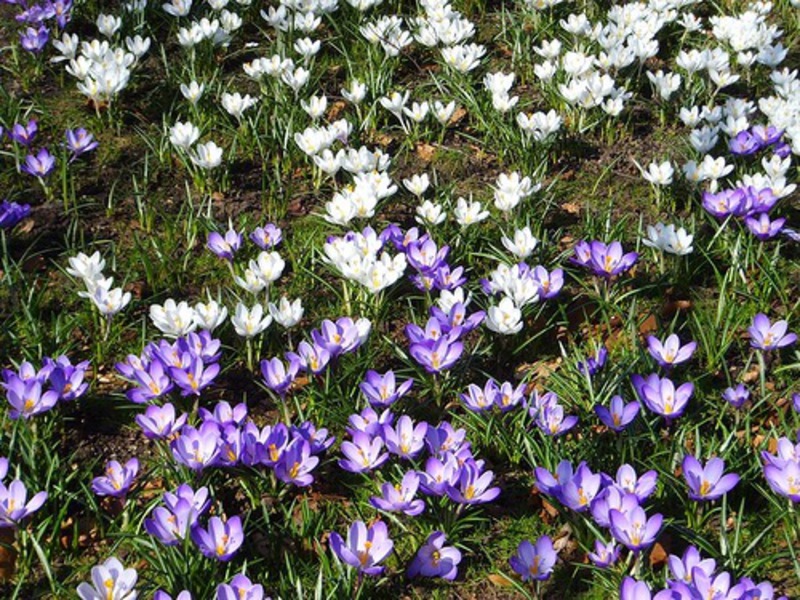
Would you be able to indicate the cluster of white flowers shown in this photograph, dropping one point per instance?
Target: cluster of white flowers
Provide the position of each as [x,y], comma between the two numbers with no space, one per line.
[102,69]
[261,272]
[511,188]
[184,135]
[360,257]
[499,86]
[669,239]
[89,269]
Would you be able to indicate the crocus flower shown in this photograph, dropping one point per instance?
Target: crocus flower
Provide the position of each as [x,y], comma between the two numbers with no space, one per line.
[227,246]
[240,588]
[769,336]
[171,523]
[784,478]
[224,414]
[267,237]
[153,383]
[638,590]
[670,352]
[363,453]
[744,143]
[34,40]
[364,548]
[611,498]
[552,421]
[661,396]
[579,490]
[763,227]
[472,486]
[381,391]
[634,529]
[439,473]
[24,134]
[627,481]
[737,396]
[221,540]
[110,580]
[534,562]
[66,379]
[594,363]
[682,567]
[162,595]
[608,260]
[159,422]
[197,448]
[80,141]
[39,165]
[296,463]
[117,479]
[604,555]
[278,377]
[13,505]
[406,440]
[195,377]
[311,357]
[438,357]
[434,559]
[400,498]
[12,213]
[318,439]
[619,415]
[707,483]
[26,397]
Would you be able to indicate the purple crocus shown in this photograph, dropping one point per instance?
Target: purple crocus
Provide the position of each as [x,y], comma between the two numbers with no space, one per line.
[318,439]
[381,391]
[26,397]
[604,555]
[406,440]
[763,227]
[634,529]
[472,486]
[593,364]
[364,453]
[34,40]
[79,141]
[153,383]
[197,448]
[66,379]
[224,414]
[783,478]
[737,396]
[439,473]
[767,134]
[769,336]
[296,463]
[40,164]
[628,482]
[611,498]
[312,358]
[434,559]
[162,595]
[364,548]
[14,504]
[221,539]
[580,489]
[707,483]
[117,479]
[744,143]
[240,588]
[661,396]
[618,415]
[609,260]
[534,561]
[267,237]
[670,352]
[195,377]
[402,497]
[683,566]
[277,376]
[552,421]
[439,356]
[12,213]
[638,590]
[159,422]
[549,284]
[24,134]
[225,246]
[172,522]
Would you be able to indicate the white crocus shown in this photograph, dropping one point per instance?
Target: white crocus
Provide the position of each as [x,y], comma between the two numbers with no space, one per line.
[207,156]
[659,173]
[173,319]
[268,266]
[177,8]
[285,313]
[88,268]
[468,213]
[209,315]
[183,135]
[417,184]
[193,91]
[249,322]
[429,213]
[505,318]
[522,244]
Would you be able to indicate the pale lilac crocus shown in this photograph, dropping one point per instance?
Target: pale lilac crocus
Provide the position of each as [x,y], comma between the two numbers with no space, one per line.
[225,246]
[221,539]
[277,376]
[14,504]
[472,486]
[406,440]
[240,588]
[402,497]
[661,396]
[363,453]
[769,336]
[737,396]
[40,164]
[707,482]
[604,555]
[110,580]
[296,463]
[638,590]
[634,529]
[670,352]
[159,422]
[117,479]
[382,391]
[364,547]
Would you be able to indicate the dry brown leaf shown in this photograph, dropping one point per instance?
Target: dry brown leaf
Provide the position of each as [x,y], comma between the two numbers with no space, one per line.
[658,556]
[425,151]
[500,580]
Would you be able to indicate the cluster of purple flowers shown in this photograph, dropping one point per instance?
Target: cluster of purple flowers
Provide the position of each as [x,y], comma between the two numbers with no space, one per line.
[548,414]
[660,395]
[226,245]
[504,396]
[179,516]
[31,392]
[592,365]
[14,503]
[438,346]
[366,547]
[692,577]
[524,284]
[428,260]
[190,363]
[758,138]
[332,340]
[42,162]
[614,504]
[604,260]
[747,203]
[239,588]
[35,37]
[534,561]
[782,469]
[12,213]
[117,479]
